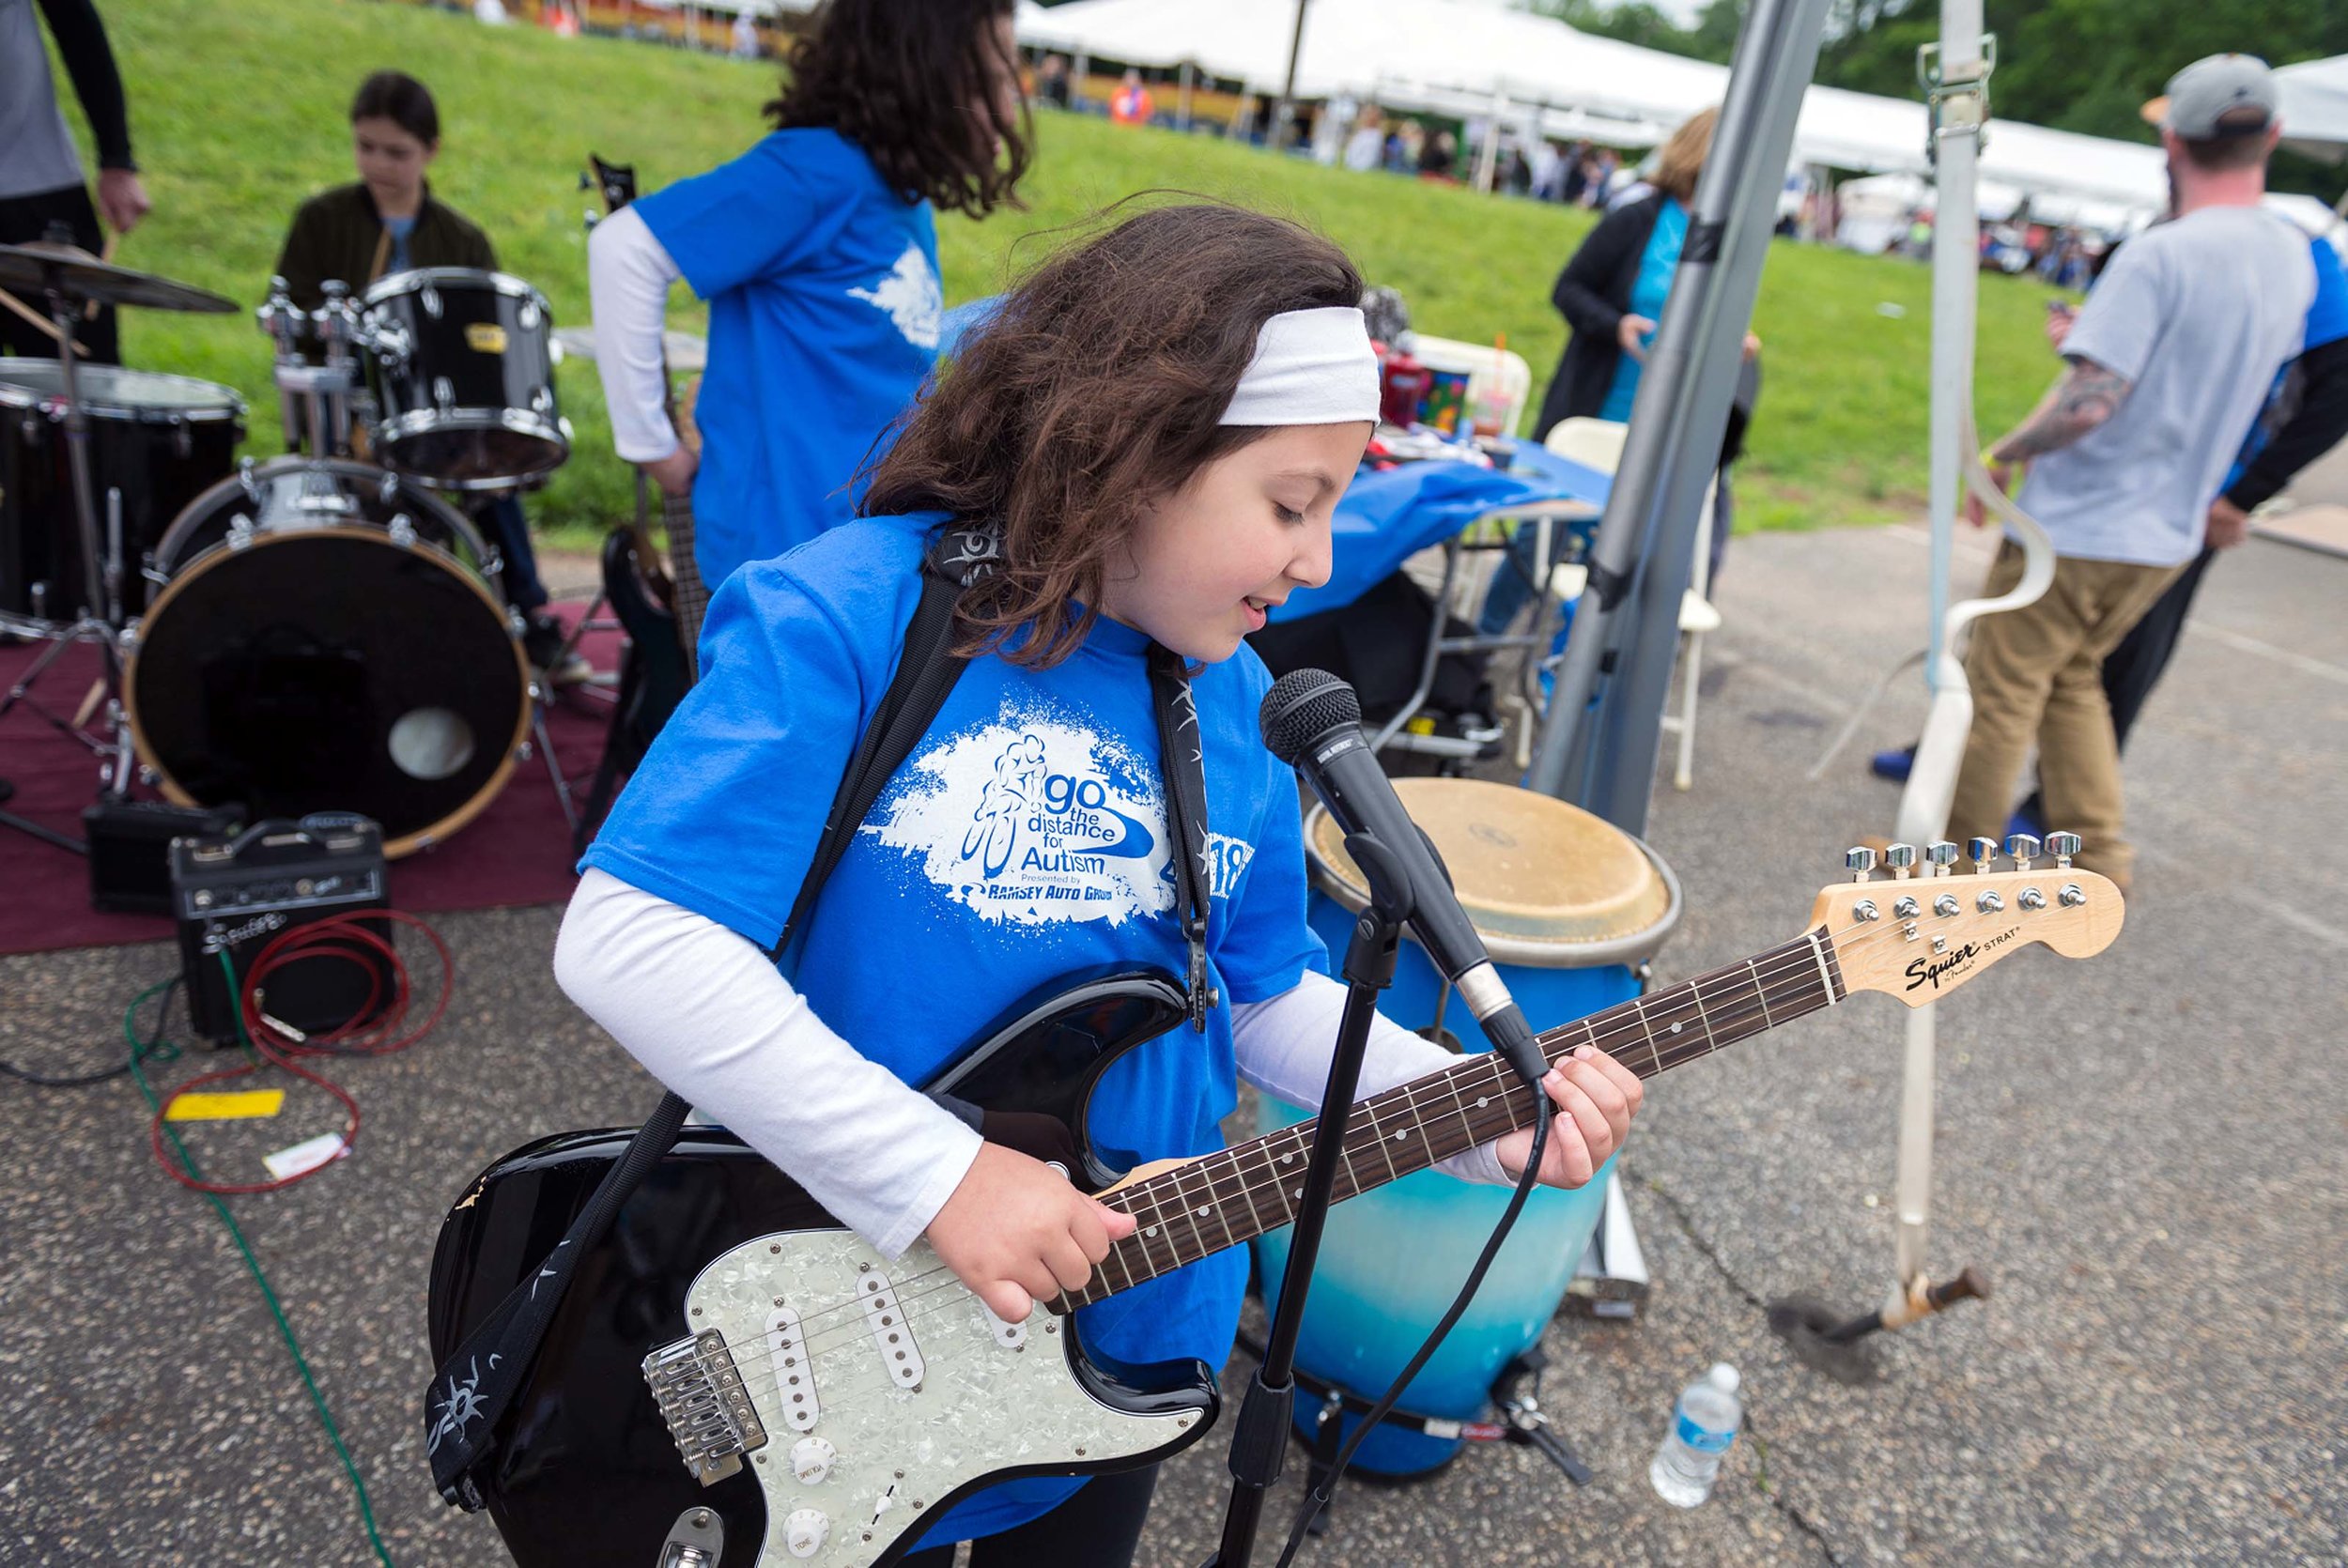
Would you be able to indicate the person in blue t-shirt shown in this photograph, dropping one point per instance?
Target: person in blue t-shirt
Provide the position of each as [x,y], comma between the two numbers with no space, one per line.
[1160,422]
[817,251]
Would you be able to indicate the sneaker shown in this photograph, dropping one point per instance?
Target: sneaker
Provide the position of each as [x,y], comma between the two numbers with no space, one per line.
[1894,764]
[542,644]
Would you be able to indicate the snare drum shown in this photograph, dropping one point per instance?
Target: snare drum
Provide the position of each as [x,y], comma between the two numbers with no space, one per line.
[156,441]
[1566,905]
[461,367]
[326,638]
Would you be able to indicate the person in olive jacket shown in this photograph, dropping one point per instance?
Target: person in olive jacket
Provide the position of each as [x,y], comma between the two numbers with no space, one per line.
[388,222]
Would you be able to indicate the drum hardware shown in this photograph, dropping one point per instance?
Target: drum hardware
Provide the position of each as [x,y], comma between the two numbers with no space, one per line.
[68,279]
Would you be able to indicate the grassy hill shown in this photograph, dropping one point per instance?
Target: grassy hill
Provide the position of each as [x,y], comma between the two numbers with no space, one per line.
[238,113]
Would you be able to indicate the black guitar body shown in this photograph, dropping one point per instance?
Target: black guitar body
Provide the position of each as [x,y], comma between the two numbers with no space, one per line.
[585,1472]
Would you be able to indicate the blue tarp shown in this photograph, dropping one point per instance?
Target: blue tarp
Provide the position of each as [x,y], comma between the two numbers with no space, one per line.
[1388,517]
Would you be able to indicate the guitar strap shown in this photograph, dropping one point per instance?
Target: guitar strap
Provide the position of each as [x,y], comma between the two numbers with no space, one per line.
[468,1398]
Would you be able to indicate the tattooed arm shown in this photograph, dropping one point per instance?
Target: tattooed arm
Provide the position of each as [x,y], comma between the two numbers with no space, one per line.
[2082,400]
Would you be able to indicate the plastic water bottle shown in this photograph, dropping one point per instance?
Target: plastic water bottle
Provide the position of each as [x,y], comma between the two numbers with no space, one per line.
[1704,1423]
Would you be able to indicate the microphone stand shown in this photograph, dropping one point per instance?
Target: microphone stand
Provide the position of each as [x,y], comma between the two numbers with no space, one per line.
[1259,1438]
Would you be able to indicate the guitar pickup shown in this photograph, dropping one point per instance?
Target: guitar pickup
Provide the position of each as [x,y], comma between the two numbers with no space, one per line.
[795,1373]
[704,1404]
[885,1319]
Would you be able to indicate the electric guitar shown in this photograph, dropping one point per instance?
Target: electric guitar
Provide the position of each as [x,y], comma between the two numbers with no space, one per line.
[681,587]
[734,1373]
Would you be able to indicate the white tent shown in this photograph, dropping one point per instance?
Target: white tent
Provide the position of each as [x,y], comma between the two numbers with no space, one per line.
[2315,107]
[1448,57]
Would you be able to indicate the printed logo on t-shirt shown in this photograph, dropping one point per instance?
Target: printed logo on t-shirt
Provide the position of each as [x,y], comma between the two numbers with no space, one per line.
[911,296]
[1035,821]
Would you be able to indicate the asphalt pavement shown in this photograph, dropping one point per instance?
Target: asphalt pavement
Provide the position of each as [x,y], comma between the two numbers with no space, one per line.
[2143,1151]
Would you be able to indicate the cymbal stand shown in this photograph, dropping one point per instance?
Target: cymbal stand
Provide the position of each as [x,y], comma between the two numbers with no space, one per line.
[100,619]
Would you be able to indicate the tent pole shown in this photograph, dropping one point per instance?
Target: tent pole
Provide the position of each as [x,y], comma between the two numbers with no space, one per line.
[1604,759]
[1284,113]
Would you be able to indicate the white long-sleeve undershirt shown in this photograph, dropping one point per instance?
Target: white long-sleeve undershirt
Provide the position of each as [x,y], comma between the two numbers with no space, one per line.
[709,1015]
[628,274]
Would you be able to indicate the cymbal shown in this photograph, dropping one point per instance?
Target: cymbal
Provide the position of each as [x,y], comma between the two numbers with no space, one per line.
[27,269]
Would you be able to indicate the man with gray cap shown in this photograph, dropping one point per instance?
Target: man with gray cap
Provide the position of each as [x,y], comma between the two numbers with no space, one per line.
[2171,359]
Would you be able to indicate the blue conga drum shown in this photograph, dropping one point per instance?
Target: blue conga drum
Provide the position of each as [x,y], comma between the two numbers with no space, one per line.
[1567,905]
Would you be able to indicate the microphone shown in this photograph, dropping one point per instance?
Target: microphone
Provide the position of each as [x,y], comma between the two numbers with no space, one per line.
[1312,721]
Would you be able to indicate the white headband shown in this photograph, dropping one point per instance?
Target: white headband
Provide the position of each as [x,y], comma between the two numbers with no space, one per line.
[1312,367]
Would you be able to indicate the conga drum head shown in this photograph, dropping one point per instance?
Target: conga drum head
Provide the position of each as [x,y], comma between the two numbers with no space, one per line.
[1545,883]
[335,669]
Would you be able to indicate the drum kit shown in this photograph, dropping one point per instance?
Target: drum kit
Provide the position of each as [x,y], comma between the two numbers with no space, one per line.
[321,631]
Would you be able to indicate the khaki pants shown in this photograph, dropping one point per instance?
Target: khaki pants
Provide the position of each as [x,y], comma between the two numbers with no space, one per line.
[2038,671]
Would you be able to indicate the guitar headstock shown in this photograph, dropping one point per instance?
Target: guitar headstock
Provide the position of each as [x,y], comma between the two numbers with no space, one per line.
[616,182]
[1920,936]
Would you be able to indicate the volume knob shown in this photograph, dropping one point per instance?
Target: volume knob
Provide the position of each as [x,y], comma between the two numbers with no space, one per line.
[803,1532]
[811,1459]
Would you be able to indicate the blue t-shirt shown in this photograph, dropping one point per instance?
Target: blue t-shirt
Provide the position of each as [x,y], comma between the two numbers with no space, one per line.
[1657,263]
[1023,839]
[2328,322]
[823,312]
[399,229]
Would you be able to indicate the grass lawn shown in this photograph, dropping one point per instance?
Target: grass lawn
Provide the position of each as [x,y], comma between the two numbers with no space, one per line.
[238,110]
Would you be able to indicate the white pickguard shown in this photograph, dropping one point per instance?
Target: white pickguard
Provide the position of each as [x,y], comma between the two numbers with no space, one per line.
[986,1401]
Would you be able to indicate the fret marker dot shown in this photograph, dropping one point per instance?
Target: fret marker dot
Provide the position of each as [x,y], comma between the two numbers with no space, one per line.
[1206,1208]
[1482,1100]
[1287,1159]
[1676,1028]
[1148,1230]
[1404,1133]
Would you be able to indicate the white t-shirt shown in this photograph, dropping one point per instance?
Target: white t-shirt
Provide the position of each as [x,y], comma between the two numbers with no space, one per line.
[2198,315]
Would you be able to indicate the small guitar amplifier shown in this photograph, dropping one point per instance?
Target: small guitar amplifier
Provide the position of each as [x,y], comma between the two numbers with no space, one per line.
[234,893]
[130,849]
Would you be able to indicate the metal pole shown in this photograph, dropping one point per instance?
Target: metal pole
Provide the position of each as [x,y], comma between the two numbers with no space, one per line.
[1605,761]
[1284,111]
[1959,109]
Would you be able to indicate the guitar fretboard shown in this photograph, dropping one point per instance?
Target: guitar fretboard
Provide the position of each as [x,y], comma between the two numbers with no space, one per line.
[1236,1195]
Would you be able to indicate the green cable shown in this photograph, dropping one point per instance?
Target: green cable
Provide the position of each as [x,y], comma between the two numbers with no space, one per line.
[235,1234]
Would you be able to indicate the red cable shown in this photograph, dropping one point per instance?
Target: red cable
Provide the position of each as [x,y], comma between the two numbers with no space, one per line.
[372,1031]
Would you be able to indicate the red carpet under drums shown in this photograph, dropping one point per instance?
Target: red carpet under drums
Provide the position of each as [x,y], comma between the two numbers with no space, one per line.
[517,851]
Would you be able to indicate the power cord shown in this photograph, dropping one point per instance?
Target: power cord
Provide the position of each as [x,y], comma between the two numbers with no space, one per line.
[1317,1498]
[157,1049]
[374,1030]
[144,1050]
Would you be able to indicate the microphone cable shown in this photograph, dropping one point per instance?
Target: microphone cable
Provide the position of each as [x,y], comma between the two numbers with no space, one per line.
[1317,1498]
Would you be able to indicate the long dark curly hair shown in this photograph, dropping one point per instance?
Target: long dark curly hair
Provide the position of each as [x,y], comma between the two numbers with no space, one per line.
[915,84]
[1093,391]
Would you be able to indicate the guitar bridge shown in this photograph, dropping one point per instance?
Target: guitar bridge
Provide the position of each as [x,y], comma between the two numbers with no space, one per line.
[704,1404]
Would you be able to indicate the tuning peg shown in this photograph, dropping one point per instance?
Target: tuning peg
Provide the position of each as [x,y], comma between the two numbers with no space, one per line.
[2023,846]
[2063,846]
[1942,854]
[1900,857]
[1985,852]
[1858,860]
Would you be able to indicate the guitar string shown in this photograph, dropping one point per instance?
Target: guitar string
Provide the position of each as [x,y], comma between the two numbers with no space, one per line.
[1794,958]
[1415,1096]
[1796,954]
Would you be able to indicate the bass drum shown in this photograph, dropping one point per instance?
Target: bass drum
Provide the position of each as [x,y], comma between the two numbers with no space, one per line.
[324,639]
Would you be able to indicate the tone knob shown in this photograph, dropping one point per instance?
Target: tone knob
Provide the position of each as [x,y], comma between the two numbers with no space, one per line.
[803,1532]
[811,1459]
